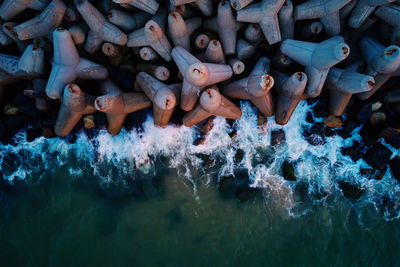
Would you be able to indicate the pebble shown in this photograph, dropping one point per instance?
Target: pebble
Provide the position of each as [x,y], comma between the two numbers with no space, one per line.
[376,106]
[377,117]
[88,121]
[333,122]
[9,110]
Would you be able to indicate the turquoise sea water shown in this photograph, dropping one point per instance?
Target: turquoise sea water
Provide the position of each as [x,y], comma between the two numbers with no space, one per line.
[151,197]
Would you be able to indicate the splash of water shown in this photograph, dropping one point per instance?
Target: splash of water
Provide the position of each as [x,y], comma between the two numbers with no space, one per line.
[318,168]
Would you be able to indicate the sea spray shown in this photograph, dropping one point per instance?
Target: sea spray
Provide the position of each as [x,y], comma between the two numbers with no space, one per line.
[142,152]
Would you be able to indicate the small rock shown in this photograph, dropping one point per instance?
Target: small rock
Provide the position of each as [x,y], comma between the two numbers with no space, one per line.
[353,153]
[239,156]
[380,173]
[277,137]
[350,190]
[333,122]
[343,133]
[288,171]
[376,106]
[88,121]
[309,117]
[364,114]
[374,174]
[315,135]
[233,135]
[32,134]
[395,167]
[245,193]
[377,156]
[9,110]
[48,132]
[377,117]
[367,172]
[320,111]
[207,160]
[199,141]
[261,124]
[350,125]
[207,126]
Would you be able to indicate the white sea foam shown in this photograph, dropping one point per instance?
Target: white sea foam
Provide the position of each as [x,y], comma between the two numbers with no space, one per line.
[112,158]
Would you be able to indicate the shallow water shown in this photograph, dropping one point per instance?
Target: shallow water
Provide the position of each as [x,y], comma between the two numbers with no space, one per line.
[151,197]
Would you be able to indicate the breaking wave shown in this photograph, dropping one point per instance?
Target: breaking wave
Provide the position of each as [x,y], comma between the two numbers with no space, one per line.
[319,169]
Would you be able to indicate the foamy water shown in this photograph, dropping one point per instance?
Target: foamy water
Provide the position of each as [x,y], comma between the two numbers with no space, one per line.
[113,159]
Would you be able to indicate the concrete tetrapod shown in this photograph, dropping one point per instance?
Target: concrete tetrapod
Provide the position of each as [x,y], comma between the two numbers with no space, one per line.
[286,20]
[180,30]
[117,105]
[72,14]
[8,29]
[30,65]
[74,104]
[148,54]
[227,28]
[211,103]
[100,29]
[197,75]
[158,71]
[38,93]
[236,65]
[239,4]
[78,33]
[11,8]
[151,35]
[201,41]
[382,63]
[266,15]
[68,66]
[253,34]
[317,58]
[342,84]
[244,50]
[363,9]
[206,6]
[214,53]
[290,92]
[150,6]
[114,53]
[255,88]
[281,62]
[184,10]
[327,11]
[127,21]
[4,39]
[310,30]
[390,13]
[164,99]
[41,25]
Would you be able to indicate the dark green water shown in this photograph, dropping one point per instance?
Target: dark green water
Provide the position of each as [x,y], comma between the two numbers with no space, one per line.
[62,221]
[146,198]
